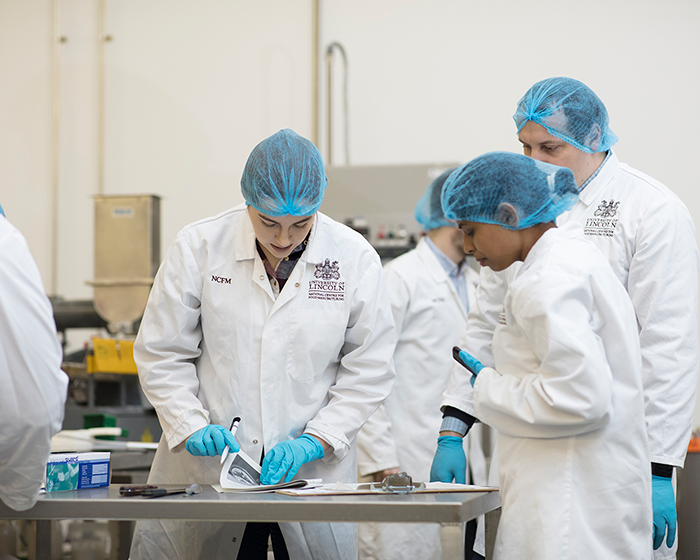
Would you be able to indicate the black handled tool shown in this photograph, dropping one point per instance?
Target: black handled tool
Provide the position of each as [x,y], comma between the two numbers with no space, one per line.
[455,354]
[158,492]
[135,490]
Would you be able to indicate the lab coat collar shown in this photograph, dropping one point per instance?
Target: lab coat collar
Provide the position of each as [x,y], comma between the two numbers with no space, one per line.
[246,247]
[591,194]
[316,248]
[245,237]
[439,274]
[313,254]
[433,264]
[570,230]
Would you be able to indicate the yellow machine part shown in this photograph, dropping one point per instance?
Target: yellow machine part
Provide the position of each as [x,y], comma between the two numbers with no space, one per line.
[112,356]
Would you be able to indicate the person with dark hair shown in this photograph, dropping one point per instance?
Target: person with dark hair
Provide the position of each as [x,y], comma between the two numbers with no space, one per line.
[565,389]
[430,288]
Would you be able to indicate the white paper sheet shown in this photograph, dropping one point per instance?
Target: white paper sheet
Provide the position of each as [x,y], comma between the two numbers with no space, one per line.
[241,474]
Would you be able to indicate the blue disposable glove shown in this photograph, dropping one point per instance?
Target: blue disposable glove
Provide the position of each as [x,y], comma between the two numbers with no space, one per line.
[664,504]
[471,363]
[450,462]
[287,457]
[211,441]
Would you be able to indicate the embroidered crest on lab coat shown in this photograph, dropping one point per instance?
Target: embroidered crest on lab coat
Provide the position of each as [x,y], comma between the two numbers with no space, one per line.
[326,284]
[327,270]
[604,219]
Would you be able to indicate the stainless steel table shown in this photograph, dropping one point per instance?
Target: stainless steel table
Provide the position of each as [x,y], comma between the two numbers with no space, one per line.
[450,510]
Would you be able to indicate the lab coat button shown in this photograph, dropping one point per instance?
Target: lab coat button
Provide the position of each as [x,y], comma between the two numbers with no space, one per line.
[297,284]
[255,441]
[261,277]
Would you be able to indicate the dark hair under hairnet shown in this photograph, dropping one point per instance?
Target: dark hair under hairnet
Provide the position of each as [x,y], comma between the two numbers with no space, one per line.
[284,175]
[428,210]
[570,110]
[538,191]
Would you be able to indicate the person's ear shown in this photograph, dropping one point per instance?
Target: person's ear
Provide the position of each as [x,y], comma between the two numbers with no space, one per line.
[507,215]
[593,138]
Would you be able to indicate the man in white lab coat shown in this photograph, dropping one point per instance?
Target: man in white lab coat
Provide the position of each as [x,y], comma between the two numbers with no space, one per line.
[34,388]
[275,313]
[648,237]
[430,289]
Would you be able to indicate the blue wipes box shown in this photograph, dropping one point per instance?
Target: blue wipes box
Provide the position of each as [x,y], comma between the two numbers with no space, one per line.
[75,471]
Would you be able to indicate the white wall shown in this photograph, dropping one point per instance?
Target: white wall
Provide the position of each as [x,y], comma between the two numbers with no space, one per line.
[191,87]
[25,123]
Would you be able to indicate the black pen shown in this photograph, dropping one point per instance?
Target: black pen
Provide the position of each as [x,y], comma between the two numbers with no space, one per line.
[232,429]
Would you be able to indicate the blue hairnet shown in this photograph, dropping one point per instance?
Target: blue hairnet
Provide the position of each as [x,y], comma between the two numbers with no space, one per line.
[428,211]
[538,191]
[284,175]
[567,109]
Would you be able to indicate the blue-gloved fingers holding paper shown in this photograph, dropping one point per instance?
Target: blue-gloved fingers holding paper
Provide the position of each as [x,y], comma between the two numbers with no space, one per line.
[450,462]
[287,457]
[211,441]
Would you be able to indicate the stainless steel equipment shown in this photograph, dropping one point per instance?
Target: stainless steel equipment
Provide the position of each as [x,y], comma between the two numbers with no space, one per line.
[127,256]
[104,380]
[382,198]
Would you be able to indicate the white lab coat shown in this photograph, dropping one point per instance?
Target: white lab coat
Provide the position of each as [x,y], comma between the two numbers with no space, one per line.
[566,399]
[429,318]
[34,388]
[214,344]
[648,237]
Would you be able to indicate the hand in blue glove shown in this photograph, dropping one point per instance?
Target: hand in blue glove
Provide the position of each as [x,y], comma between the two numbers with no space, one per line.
[450,462]
[664,504]
[287,457]
[469,362]
[211,441]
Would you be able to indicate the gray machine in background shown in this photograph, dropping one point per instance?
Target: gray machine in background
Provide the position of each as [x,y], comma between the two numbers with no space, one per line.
[127,256]
[104,382]
[378,201]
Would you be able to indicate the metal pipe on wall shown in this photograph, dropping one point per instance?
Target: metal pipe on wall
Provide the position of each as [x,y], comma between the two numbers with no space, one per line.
[329,104]
[329,70]
[102,38]
[57,40]
[316,85]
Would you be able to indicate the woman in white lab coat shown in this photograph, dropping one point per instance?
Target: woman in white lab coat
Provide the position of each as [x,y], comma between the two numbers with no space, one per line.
[565,392]
[274,313]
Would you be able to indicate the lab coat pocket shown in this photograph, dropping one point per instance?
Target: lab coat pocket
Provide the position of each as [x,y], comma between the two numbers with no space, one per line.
[315,339]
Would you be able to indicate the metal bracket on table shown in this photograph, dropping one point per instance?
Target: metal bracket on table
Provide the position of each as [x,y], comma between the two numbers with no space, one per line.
[399,483]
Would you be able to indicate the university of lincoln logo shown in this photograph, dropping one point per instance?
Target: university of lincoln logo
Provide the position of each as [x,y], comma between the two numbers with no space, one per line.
[604,220]
[607,209]
[327,285]
[327,271]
